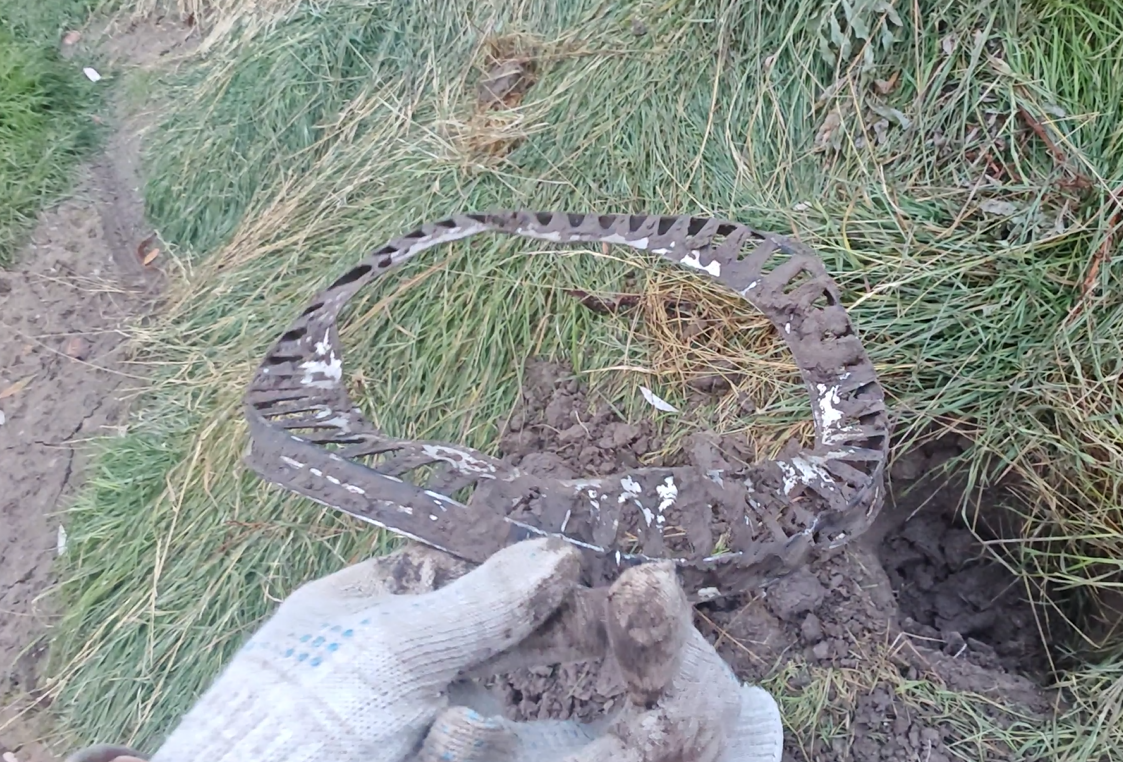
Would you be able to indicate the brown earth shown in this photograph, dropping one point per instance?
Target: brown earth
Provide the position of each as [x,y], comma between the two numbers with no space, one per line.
[917,596]
[64,374]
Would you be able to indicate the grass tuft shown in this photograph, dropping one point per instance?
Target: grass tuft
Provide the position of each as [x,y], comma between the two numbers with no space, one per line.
[956,167]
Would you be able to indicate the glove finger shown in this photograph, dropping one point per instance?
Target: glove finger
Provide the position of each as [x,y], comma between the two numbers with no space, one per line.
[414,569]
[759,733]
[575,633]
[460,734]
[648,621]
[684,698]
[491,609]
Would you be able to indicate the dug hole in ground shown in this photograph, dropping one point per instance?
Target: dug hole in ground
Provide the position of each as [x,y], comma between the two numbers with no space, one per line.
[868,650]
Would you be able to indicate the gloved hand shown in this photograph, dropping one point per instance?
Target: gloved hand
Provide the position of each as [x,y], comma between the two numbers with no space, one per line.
[359,666]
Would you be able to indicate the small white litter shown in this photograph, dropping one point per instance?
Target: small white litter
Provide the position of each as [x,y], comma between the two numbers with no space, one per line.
[61,545]
[3,418]
[657,402]
[91,74]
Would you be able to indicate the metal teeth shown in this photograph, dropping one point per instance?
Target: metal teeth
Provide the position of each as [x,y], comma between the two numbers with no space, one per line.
[775,516]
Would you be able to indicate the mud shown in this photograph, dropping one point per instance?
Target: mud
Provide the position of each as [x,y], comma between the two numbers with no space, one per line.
[559,432]
[65,379]
[916,599]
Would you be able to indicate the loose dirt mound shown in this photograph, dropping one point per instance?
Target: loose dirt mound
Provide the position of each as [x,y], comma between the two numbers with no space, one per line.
[917,597]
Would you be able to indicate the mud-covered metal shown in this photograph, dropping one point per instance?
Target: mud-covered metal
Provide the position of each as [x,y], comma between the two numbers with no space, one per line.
[726,531]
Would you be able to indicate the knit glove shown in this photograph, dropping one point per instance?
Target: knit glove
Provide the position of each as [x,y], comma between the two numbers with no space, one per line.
[359,667]
[682,701]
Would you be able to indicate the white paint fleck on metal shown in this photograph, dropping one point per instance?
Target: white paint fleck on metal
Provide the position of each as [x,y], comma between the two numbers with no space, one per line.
[332,479]
[790,478]
[331,370]
[648,516]
[291,462]
[340,422]
[594,501]
[828,402]
[708,593]
[323,346]
[462,461]
[799,470]
[565,521]
[433,518]
[354,490]
[694,259]
[668,491]
[615,238]
[631,489]
[316,472]
[552,235]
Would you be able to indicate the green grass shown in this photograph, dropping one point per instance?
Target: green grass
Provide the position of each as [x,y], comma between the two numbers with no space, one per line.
[297,145]
[46,108]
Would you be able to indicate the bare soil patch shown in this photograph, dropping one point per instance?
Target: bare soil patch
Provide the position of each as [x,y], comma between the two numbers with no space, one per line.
[918,596]
[65,378]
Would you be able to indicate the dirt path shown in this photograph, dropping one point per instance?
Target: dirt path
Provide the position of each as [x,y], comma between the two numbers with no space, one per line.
[64,376]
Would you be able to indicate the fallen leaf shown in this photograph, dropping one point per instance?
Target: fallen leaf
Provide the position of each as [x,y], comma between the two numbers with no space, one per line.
[60,543]
[15,388]
[504,84]
[657,402]
[825,138]
[150,256]
[1000,208]
[1000,66]
[886,86]
[71,38]
[77,347]
[143,245]
[948,44]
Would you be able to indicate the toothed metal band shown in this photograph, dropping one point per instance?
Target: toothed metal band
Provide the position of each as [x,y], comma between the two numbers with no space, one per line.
[308,436]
